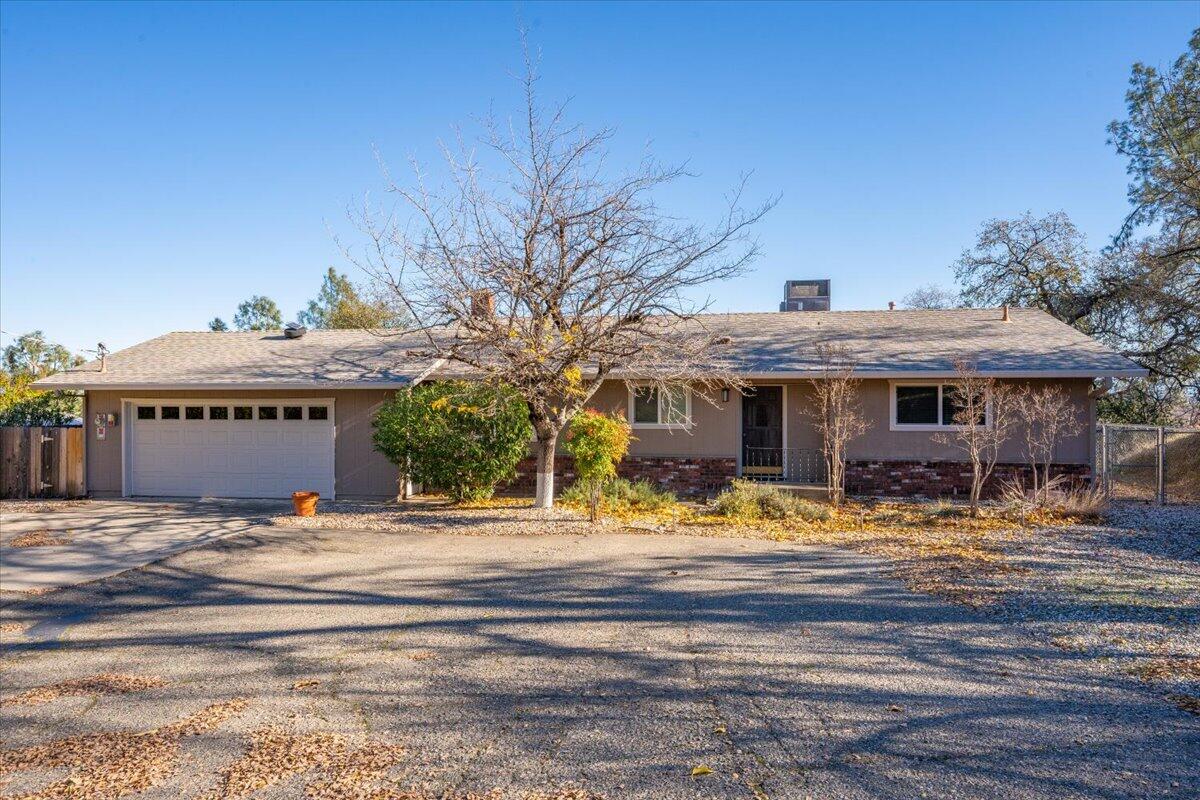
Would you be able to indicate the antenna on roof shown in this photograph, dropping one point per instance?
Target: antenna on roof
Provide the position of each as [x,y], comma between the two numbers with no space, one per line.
[102,351]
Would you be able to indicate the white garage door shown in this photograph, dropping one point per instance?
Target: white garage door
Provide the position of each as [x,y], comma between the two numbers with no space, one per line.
[207,448]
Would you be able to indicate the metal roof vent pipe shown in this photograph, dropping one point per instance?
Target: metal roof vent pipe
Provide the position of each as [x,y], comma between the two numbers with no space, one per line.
[1004,317]
[294,330]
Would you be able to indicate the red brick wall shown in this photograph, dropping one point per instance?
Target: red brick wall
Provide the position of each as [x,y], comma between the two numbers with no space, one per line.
[940,478]
[696,476]
[687,476]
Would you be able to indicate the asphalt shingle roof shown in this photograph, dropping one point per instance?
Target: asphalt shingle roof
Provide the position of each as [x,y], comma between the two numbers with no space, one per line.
[257,359]
[884,343]
[914,341]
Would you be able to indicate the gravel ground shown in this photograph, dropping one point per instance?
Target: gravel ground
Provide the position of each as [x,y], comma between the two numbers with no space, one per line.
[571,665]
[1126,594]
[500,517]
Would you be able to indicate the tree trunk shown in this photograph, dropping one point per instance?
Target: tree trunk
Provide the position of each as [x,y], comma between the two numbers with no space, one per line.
[545,471]
[976,487]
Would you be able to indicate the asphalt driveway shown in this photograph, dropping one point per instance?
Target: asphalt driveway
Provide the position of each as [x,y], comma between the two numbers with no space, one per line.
[616,664]
[101,538]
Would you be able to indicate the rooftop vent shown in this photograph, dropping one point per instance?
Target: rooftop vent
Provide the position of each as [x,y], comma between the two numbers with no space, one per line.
[294,330]
[808,295]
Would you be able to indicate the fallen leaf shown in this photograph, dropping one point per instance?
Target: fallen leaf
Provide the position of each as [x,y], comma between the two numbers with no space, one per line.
[719,729]
[305,684]
[701,769]
[896,709]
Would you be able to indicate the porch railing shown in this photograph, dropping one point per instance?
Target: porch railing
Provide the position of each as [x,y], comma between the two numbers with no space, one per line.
[783,464]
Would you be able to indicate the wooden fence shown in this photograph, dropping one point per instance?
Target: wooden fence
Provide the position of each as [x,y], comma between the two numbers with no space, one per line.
[41,462]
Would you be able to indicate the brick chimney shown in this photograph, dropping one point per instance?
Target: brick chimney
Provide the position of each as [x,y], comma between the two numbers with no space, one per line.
[483,304]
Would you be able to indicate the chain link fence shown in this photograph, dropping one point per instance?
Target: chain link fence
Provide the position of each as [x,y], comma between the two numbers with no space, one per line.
[1148,462]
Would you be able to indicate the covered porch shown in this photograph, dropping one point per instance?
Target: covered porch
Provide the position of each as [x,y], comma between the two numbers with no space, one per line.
[777,440]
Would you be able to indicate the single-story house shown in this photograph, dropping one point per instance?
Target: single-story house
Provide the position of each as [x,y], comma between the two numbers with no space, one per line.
[259,414]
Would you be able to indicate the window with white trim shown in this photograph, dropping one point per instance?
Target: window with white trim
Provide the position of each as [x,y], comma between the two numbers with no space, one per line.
[926,405]
[651,406]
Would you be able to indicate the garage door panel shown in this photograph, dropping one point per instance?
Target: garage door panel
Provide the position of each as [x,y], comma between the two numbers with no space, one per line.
[230,458]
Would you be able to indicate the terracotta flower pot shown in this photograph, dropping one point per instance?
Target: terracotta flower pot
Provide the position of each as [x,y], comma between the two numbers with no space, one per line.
[305,503]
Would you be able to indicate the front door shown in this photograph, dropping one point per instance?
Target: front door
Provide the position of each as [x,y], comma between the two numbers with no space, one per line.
[762,432]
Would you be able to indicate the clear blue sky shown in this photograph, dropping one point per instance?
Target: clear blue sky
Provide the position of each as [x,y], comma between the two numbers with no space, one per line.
[159,163]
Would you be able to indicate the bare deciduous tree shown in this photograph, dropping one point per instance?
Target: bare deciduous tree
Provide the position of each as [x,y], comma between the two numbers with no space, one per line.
[1047,415]
[983,419]
[836,413]
[550,275]
[930,297]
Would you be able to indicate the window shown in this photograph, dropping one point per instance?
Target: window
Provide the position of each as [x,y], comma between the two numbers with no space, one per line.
[170,412]
[193,412]
[952,404]
[916,405]
[145,412]
[926,406]
[645,406]
[653,406]
[268,412]
[242,412]
[218,412]
[318,412]
[293,412]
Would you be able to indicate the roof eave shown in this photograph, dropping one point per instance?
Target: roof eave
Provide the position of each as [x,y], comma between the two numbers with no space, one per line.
[433,371]
[91,386]
[866,374]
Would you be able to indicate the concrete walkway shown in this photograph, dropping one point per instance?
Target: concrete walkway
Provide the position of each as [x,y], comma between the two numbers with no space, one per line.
[107,537]
[616,663]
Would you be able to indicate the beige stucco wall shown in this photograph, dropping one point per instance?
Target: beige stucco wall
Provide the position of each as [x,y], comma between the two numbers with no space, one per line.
[717,428]
[360,471]
[881,443]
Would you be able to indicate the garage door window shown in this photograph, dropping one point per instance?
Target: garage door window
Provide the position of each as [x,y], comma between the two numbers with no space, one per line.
[170,412]
[218,412]
[242,412]
[193,412]
[145,412]
[268,412]
[293,412]
[318,412]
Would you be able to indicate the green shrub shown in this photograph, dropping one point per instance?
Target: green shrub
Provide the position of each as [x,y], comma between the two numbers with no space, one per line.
[597,442]
[750,500]
[620,494]
[641,495]
[944,509]
[462,437]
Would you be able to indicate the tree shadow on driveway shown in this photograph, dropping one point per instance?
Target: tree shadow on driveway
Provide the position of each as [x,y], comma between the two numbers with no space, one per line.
[622,661]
